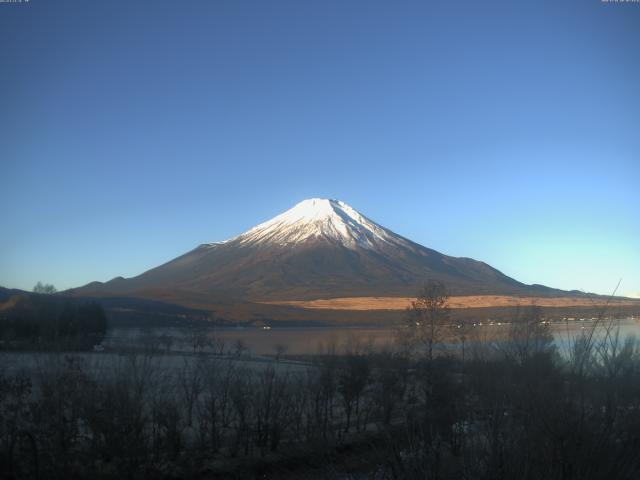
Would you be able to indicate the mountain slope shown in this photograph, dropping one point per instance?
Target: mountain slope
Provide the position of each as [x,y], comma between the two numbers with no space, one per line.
[318,249]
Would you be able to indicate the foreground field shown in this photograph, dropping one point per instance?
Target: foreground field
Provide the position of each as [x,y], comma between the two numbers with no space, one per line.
[159,411]
[469,301]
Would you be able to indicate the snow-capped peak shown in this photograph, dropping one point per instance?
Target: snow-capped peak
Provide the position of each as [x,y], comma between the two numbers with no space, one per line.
[319,218]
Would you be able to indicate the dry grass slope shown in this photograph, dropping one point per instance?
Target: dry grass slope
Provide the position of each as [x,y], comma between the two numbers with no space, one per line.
[458,302]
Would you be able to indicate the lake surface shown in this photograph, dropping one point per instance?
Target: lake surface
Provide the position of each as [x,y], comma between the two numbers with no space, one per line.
[314,340]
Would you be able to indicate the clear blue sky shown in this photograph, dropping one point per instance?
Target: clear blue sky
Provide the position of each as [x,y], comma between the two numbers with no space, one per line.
[505,131]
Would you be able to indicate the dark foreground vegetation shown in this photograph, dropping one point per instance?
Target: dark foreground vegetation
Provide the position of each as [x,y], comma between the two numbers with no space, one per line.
[512,408]
[45,321]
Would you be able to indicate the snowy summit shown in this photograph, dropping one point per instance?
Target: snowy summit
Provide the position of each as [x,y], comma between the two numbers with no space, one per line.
[319,218]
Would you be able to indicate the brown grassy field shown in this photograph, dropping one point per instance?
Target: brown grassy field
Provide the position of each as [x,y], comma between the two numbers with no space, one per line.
[471,301]
[175,307]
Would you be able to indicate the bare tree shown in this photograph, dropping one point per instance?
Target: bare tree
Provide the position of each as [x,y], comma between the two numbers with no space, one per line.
[280,349]
[240,347]
[391,378]
[240,397]
[215,411]
[428,318]
[271,403]
[191,383]
[197,338]
[353,377]
[528,336]
[218,343]
[462,331]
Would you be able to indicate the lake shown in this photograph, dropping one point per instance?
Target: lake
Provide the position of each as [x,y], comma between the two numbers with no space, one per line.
[313,340]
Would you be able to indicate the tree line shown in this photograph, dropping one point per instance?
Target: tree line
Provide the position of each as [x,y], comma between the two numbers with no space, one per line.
[48,321]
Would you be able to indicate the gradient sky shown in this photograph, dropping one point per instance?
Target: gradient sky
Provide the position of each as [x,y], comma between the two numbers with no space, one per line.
[505,131]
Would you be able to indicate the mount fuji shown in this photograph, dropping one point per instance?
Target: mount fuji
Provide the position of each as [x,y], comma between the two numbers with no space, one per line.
[318,249]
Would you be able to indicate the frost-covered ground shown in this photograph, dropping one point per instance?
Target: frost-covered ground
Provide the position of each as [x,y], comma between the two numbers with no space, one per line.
[106,364]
